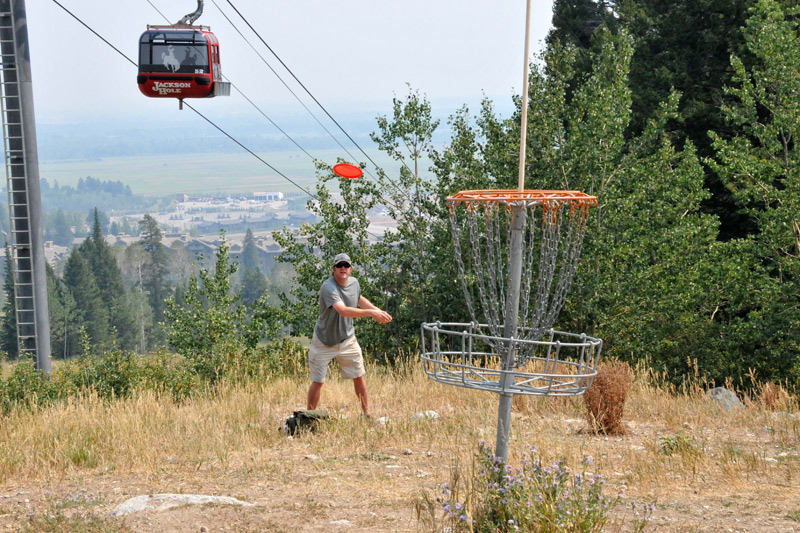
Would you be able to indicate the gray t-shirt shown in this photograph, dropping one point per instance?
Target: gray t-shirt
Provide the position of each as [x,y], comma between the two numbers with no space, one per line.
[332,328]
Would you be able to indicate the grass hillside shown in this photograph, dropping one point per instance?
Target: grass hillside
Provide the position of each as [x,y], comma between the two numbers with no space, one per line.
[65,467]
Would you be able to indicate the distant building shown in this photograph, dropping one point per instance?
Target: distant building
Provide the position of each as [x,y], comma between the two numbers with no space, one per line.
[267,196]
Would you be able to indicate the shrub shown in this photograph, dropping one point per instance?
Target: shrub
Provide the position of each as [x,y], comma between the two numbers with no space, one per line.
[169,372]
[110,373]
[534,497]
[679,444]
[28,386]
[284,357]
[605,399]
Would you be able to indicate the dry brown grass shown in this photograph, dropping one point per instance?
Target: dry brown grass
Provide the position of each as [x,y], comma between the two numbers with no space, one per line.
[605,399]
[774,397]
[698,464]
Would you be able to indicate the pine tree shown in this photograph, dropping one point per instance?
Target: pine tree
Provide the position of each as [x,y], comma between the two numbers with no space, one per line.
[108,276]
[248,260]
[61,307]
[155,281]
[254,286]
[63,231]
[90,313]
[8,326]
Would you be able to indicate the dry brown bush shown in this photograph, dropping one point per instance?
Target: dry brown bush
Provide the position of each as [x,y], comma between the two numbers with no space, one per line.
[774,397]
[605,399]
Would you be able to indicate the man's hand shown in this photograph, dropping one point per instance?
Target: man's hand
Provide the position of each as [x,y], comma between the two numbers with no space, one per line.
[381,317]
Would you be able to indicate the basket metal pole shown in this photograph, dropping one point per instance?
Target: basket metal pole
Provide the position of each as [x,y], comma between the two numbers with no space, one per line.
[515,266]
[510,330]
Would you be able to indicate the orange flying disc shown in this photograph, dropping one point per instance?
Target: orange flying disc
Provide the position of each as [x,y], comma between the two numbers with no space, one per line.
[346,170]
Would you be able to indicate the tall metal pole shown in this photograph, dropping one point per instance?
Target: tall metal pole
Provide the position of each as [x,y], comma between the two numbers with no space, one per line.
[26,125]
[515,269]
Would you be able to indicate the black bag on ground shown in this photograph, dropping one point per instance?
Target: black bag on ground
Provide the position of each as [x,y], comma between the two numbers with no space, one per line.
[304,420]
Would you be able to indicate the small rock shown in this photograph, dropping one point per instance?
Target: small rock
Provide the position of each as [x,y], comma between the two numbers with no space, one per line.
[726,398]
[407,451]
[343,523]
[433,415]
[312,457]
[162,502]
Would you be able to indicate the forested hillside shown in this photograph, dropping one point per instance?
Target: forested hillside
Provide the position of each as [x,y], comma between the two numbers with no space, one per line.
[692,258]
[680,117]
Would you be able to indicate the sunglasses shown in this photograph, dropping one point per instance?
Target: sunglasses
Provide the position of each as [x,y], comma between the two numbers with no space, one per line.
[342,265]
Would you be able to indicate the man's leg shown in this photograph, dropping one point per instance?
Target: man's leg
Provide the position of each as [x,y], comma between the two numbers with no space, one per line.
[314,392]
[360,385]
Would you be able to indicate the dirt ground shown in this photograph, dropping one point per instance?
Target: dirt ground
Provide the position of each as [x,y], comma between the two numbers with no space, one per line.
[294,490]
[331,494]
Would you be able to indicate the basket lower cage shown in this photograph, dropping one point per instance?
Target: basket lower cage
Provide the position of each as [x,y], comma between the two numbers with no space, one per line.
[558,364]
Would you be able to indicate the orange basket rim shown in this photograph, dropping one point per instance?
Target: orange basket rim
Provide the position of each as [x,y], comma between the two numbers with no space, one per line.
[515,195]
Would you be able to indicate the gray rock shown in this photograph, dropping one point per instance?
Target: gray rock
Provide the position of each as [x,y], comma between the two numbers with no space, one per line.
[162,502]
[726,398]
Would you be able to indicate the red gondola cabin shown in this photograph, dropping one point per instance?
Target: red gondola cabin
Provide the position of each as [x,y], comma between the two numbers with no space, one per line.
[180,62]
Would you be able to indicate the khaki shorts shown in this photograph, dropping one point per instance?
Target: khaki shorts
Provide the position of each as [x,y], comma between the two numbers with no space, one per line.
[348,354]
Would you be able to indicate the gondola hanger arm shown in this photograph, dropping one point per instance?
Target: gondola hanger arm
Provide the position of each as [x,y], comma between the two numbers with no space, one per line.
[189,19]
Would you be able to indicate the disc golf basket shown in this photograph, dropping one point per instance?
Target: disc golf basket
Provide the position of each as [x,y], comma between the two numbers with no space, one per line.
[524,247]
[523,250]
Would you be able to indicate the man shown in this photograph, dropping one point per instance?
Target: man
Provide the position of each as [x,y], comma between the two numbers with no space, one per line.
[340,301]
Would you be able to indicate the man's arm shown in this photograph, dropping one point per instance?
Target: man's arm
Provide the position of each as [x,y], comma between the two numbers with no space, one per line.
[367,310]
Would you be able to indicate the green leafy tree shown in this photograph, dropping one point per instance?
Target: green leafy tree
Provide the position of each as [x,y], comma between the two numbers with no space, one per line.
[213,326]
[412,200]
[645,274]
[342,228]
[760,168]
[680,46]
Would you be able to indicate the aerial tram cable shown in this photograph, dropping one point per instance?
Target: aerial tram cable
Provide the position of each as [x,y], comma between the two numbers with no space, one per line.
[229,136]
[288,88]
[193,16]
[122,54]
[299,82]
[352,157]
[234,86]
[398,188]
[383,199]
[284,176]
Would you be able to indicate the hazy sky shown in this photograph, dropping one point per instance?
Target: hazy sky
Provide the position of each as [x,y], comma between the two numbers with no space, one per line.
[353,55]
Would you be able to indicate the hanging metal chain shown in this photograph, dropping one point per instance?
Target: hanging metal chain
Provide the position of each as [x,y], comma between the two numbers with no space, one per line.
[557,235]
